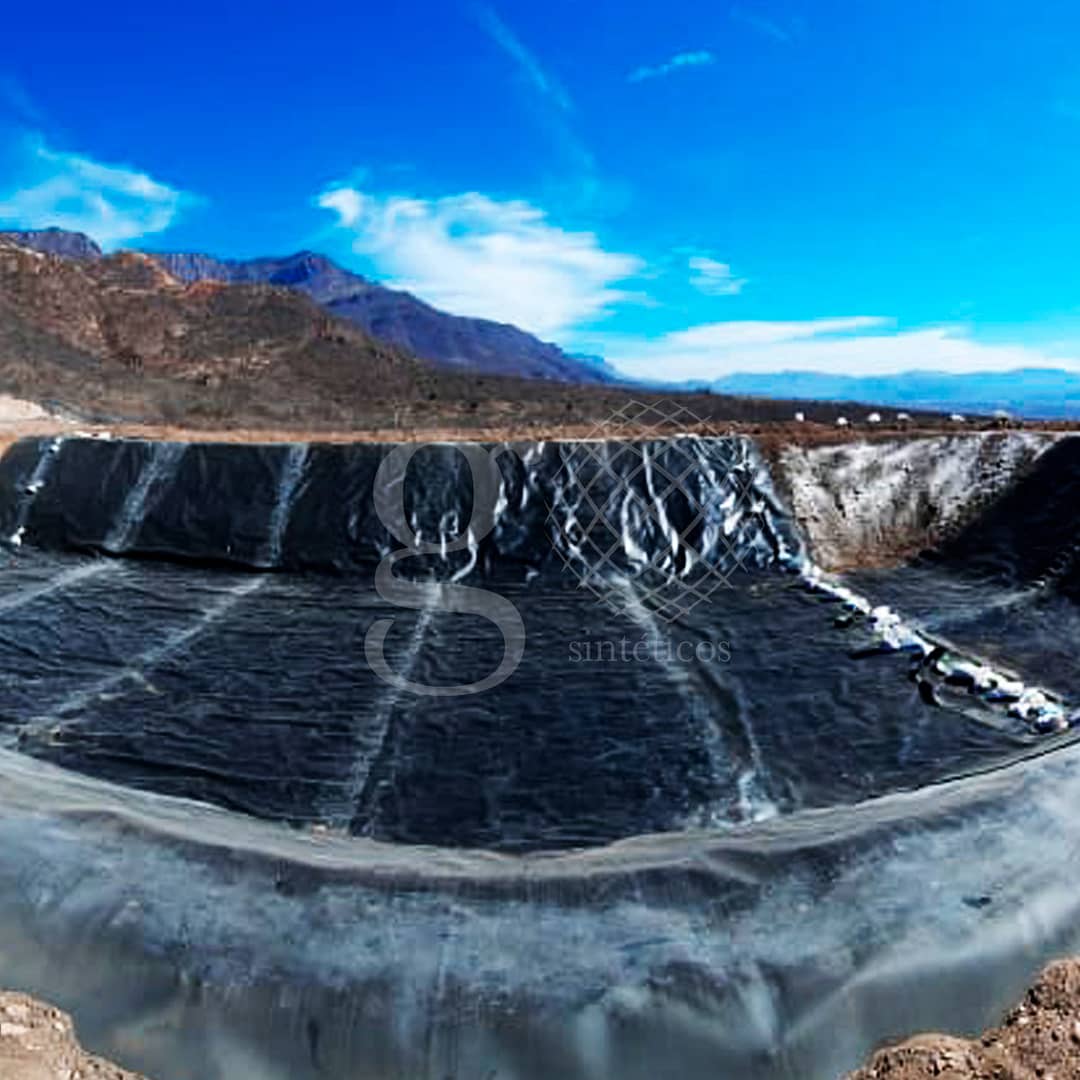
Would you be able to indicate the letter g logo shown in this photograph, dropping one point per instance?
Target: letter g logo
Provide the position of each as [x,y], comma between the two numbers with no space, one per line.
[429,596]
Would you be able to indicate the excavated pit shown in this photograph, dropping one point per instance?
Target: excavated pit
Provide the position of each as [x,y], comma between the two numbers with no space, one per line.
[800,797]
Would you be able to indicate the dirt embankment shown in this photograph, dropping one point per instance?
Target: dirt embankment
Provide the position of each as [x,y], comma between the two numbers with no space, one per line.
[876,503]
[37,1042]
[22,418]
[1038,1040]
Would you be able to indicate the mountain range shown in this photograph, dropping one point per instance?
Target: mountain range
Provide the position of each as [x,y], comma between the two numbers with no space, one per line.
[122,338]
[481,347]
[119,336]
[1035,393]
[69,245]
[389,315]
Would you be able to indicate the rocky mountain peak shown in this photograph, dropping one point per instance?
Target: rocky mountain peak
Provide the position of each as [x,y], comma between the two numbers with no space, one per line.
[388,315]
[71,245]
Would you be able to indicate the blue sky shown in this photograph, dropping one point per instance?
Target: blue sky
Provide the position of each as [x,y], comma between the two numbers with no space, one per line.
[690,189]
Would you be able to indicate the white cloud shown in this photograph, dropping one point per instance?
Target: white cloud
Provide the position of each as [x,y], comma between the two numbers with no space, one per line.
[474,255]
[714,278]
[698,58]
[860,345]
[347,202]
[111,203]
[530,67]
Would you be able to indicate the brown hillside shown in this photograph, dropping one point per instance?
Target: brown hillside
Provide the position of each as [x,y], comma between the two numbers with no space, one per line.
[119,340]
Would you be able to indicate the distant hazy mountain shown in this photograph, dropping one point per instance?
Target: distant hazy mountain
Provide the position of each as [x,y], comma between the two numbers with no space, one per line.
[71,245]
[601,367]
[398,317]
[1037,393]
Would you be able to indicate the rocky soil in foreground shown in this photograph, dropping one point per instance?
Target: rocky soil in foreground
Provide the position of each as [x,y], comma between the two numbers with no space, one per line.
[37,1042]
[1038,1040]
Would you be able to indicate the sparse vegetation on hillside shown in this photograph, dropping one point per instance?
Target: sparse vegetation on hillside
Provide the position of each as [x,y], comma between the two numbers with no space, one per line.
[119,339]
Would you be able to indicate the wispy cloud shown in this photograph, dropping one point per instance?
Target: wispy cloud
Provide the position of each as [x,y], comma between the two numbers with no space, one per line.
[474,255]
[16,99]
[714,278]
[573,180]
[534,72]
[762,24]
[858,345]
[111,203]
[679,62]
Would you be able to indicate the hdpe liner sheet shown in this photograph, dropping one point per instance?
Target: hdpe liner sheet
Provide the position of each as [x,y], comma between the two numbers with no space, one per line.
[253,692]
[232,851]
[191,942]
